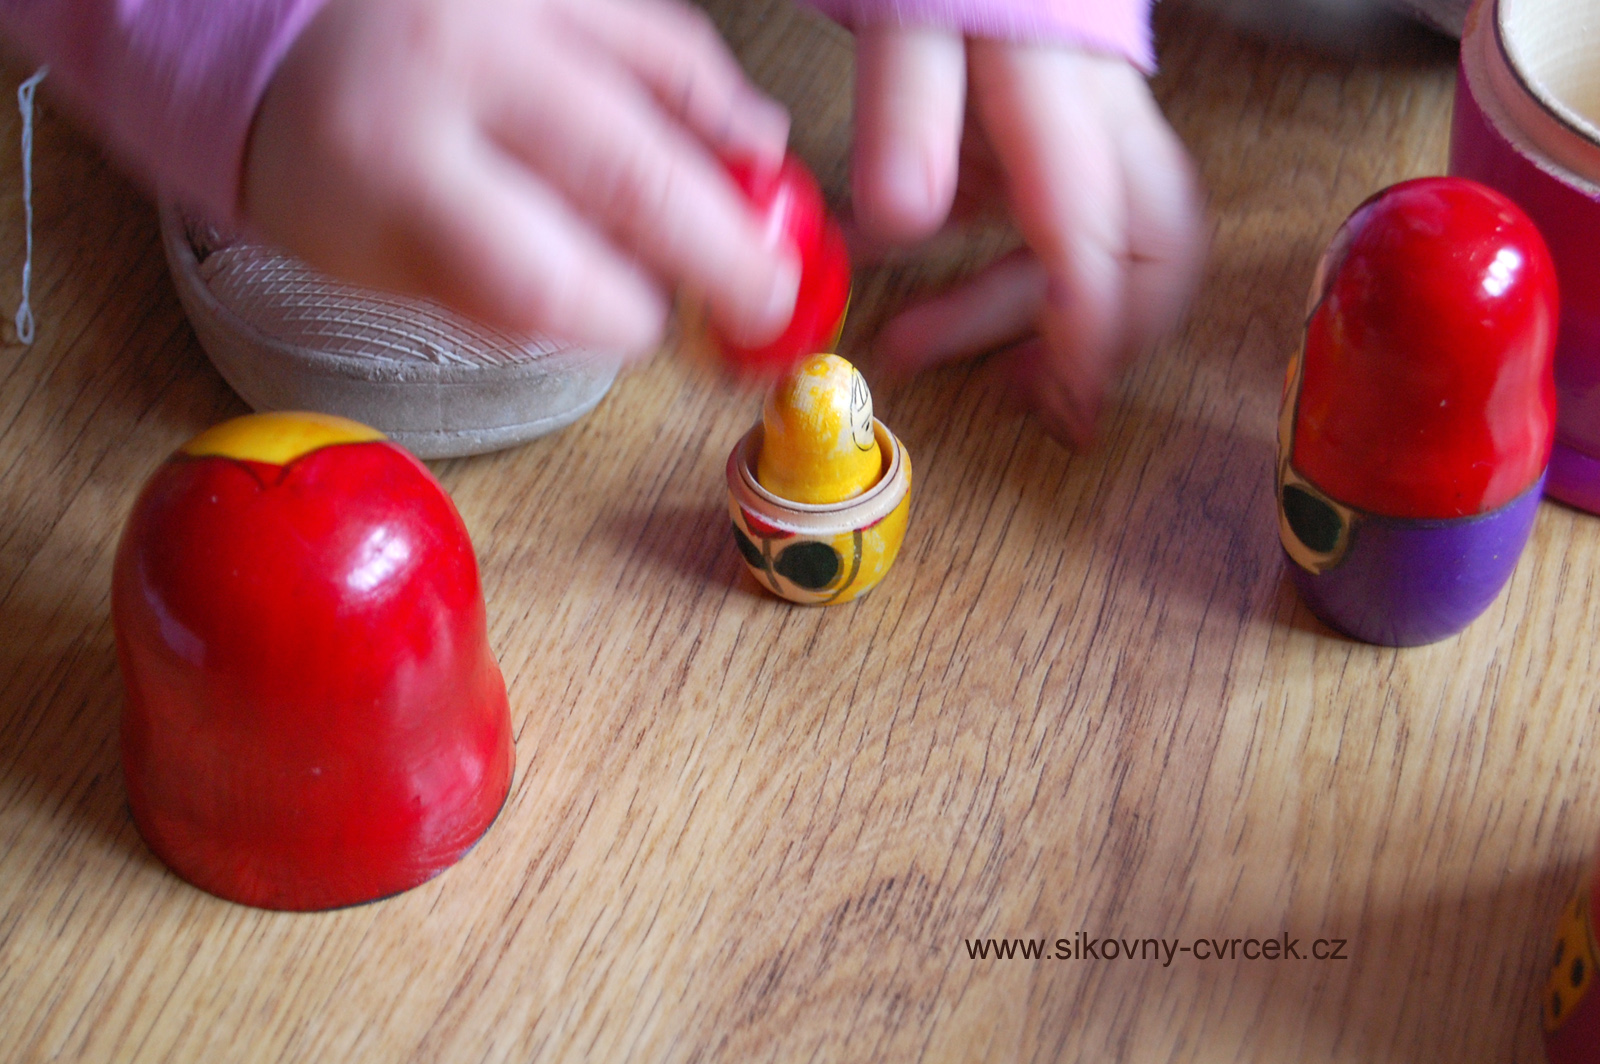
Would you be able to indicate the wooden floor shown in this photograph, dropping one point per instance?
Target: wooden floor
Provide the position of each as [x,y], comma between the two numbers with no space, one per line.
[1085,700]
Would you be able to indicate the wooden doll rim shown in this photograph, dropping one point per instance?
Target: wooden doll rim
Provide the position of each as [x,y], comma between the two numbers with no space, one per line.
[871,505]
[1510,85]
[1525,31]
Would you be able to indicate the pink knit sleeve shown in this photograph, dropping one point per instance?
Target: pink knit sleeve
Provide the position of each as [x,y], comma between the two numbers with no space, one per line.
[1118,27]
[171,86]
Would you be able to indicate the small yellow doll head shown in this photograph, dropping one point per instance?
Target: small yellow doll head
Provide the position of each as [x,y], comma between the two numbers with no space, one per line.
[818,446]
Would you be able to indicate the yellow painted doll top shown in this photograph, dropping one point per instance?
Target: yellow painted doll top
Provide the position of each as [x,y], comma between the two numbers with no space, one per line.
[817,445]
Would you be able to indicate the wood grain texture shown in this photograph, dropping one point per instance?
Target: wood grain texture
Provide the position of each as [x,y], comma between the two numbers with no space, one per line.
[1085,700]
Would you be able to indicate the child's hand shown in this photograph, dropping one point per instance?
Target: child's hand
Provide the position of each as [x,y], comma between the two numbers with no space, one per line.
[547,166]
[1096,181]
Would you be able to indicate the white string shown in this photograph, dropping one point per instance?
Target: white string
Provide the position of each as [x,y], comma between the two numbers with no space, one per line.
[25,105]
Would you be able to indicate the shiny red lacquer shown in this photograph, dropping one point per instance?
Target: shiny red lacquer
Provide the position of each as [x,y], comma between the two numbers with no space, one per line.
[314,717]
[1427,389]
[793,211]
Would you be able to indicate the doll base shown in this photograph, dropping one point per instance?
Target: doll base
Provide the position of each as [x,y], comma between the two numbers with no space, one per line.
[819,554]
[1405,582]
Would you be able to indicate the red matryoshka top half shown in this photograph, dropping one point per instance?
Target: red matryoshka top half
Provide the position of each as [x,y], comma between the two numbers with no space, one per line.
[790,205]
[1426,389]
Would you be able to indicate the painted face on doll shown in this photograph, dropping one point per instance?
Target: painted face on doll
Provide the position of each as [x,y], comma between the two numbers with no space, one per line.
[1417,418]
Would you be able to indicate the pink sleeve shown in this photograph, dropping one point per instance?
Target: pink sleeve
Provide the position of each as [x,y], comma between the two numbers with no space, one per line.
[170,85]
[1118,27]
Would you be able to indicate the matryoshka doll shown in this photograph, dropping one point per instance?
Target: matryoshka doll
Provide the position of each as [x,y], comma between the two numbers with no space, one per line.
[314,717]
[820,490]
[1570,1007]
[1418,417]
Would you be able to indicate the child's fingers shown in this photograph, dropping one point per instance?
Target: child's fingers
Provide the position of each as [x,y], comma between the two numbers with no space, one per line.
[676,50]
[1105,199]
[605,145]
[1031,384]
[486,237]
[1040,110]
[980,189]
[1165,238]
[997,306]
[910,95]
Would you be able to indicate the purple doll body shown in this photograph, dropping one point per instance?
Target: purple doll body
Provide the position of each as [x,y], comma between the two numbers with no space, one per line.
[1417,419]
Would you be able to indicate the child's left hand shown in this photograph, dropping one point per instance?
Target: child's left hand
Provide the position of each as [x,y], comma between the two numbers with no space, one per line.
[546,166]
[1098,184]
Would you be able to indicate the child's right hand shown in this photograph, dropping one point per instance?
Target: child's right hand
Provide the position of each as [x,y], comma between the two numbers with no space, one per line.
[546,166]
[1074,147]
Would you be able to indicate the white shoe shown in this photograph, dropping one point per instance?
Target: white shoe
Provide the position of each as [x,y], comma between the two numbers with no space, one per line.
[288,338]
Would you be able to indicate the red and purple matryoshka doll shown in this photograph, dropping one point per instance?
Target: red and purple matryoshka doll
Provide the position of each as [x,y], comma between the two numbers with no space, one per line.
[1570,1008]
[1418,417]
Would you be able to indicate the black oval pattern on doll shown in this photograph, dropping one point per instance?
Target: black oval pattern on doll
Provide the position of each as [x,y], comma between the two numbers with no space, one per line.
[1314,522]
[812,566]
[747,547]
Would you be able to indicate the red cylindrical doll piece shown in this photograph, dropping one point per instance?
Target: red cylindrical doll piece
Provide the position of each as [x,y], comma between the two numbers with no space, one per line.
[314,717]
